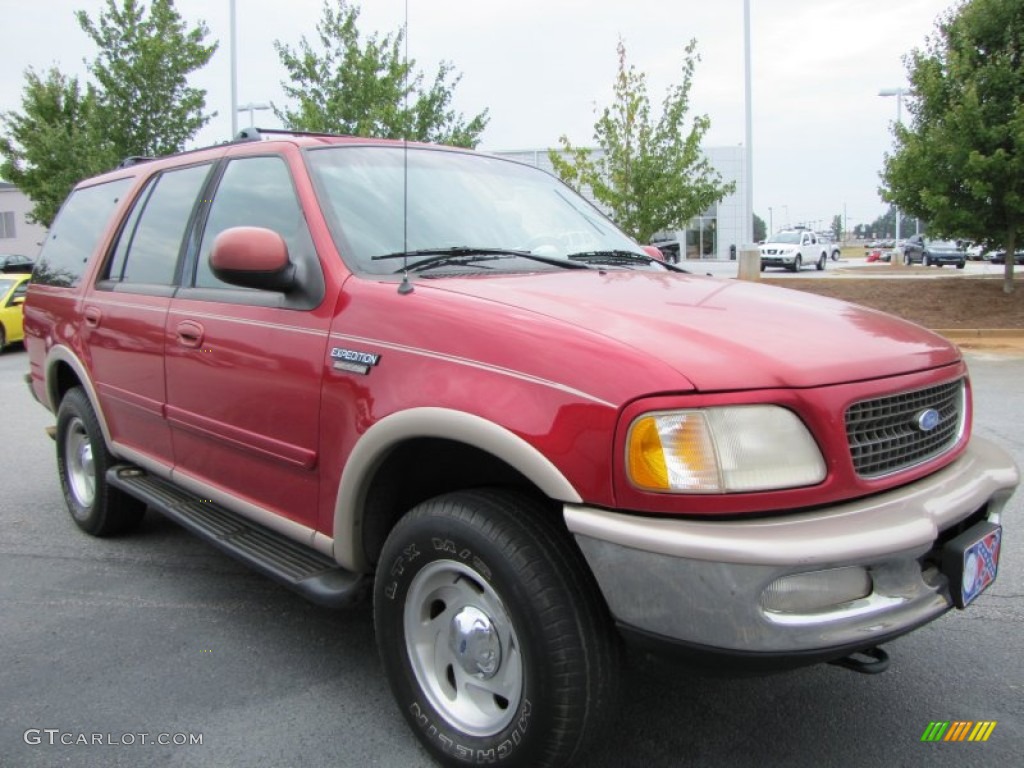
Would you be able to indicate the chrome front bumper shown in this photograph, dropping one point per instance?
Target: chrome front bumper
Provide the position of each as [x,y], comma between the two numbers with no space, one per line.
[701,583]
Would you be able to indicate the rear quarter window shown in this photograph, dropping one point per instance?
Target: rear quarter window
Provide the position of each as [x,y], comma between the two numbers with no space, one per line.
[76,232]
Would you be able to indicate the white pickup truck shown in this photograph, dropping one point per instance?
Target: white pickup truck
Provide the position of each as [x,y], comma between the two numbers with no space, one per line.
[792,249]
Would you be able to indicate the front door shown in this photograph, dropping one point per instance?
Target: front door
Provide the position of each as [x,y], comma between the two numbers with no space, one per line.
[244,366]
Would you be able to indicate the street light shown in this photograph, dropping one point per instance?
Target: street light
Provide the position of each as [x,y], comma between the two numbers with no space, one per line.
[748,202]
[250,108]
[234,71]
[899,93]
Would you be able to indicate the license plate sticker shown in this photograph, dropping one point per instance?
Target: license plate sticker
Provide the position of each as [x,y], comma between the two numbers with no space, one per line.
[971,562]
[981,561]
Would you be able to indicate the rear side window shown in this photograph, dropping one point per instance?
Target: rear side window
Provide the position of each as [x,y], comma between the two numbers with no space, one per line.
[150,243]
[76,232]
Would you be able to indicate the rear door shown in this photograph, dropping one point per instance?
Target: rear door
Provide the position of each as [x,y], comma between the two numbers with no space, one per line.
[124,314]
[244,367]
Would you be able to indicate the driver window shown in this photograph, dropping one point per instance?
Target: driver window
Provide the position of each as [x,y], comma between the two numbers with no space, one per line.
[254,192]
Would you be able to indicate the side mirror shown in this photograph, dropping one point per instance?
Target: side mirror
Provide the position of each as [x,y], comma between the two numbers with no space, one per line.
[17,301]
[654,252]
[253,257]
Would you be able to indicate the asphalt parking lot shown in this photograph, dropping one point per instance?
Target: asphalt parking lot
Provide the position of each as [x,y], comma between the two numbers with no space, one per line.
[158,635]
[848,266]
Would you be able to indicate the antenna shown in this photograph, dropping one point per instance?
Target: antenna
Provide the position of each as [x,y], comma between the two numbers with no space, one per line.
[406,286]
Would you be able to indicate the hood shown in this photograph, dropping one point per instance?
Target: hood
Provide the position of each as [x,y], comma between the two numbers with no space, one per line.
[720,334]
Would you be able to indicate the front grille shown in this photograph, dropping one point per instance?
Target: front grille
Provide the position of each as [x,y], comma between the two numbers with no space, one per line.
[884,435]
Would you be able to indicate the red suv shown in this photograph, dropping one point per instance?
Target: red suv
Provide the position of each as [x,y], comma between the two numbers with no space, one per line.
[447,379]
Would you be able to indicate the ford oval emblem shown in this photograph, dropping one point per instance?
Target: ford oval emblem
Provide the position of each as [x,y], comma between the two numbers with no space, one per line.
[927,420]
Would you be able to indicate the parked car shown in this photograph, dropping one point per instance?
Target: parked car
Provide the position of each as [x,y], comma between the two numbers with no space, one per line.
[1000,257]
[793,249]
[367,368]
[14,262]
[13,288]
[934,253]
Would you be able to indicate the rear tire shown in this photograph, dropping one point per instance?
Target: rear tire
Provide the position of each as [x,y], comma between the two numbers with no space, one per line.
[492,631]
[821,263]
[961,264]
[82,464]
[3,339]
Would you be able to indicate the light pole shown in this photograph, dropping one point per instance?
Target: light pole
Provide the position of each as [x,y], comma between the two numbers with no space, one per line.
[748,203]
[899,93]
[250,108]
[771,225]
[786,209]
[234,74]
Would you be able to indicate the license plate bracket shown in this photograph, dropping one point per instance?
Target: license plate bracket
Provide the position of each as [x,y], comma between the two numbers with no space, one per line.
[971,562]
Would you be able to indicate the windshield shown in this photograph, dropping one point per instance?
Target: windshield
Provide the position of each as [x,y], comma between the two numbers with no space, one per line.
[5,286]
[785,237]
[950,245]
[456,200]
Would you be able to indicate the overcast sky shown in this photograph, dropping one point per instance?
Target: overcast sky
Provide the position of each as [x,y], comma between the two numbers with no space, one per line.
[542,67]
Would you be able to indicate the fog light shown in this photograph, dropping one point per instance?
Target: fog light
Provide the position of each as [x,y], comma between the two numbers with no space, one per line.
[816,591]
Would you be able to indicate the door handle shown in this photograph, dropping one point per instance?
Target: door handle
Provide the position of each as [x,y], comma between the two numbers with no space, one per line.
[190,333]
[92,316]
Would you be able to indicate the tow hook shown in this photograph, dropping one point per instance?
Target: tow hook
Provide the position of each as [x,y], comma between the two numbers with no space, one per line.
[871,661]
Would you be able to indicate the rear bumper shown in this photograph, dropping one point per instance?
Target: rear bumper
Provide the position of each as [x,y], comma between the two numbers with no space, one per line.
[701,583]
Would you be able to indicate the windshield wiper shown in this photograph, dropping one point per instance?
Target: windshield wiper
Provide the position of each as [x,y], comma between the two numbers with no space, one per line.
[463,254]
[621,258]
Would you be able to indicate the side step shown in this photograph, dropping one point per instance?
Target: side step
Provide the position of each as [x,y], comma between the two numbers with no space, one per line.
[310,573]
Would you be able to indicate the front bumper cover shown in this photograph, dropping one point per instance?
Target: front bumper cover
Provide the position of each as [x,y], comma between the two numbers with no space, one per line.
[700,582]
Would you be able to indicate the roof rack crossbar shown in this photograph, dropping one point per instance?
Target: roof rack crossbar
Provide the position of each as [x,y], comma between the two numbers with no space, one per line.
[255,134]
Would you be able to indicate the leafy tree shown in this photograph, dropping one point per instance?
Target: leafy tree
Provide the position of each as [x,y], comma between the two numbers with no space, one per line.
[760,229]
[140,105]
[145,102]
[837,227]
[960,164]
[53,142]
[368,88]
[650,175]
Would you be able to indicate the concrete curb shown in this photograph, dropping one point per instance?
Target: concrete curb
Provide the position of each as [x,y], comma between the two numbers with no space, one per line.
[956,334]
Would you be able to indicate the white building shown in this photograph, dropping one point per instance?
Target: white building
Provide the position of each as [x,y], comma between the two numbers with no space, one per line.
[16,234]
[713,235]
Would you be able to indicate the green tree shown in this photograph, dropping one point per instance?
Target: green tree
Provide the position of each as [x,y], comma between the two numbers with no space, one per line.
[145,101]
[53,142]
[760,229]
[141,104]
[837,227]
[959,165]
[368,88]
[650,175]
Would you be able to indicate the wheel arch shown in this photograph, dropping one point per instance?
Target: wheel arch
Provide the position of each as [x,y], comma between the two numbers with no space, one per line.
[377,486]
[65,370]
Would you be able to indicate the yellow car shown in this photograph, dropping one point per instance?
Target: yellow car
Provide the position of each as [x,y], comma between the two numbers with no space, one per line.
[12,295]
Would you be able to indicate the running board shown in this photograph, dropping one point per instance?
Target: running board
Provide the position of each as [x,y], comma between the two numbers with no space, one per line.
[310,573]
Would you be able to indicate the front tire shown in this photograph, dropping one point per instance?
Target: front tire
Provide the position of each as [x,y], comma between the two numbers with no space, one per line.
[82,464]
[493,634]
[821,263]
[797,264]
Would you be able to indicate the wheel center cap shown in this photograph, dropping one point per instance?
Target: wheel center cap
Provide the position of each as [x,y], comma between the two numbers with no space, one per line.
[473,640]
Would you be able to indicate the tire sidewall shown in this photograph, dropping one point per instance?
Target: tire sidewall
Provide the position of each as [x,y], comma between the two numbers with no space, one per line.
[420,545]
[75,406]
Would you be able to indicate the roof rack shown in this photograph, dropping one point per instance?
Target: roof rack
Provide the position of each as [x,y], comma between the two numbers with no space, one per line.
[257,134]
[128,162]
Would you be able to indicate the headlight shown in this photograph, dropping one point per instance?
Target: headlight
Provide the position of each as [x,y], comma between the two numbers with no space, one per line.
[722,450]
